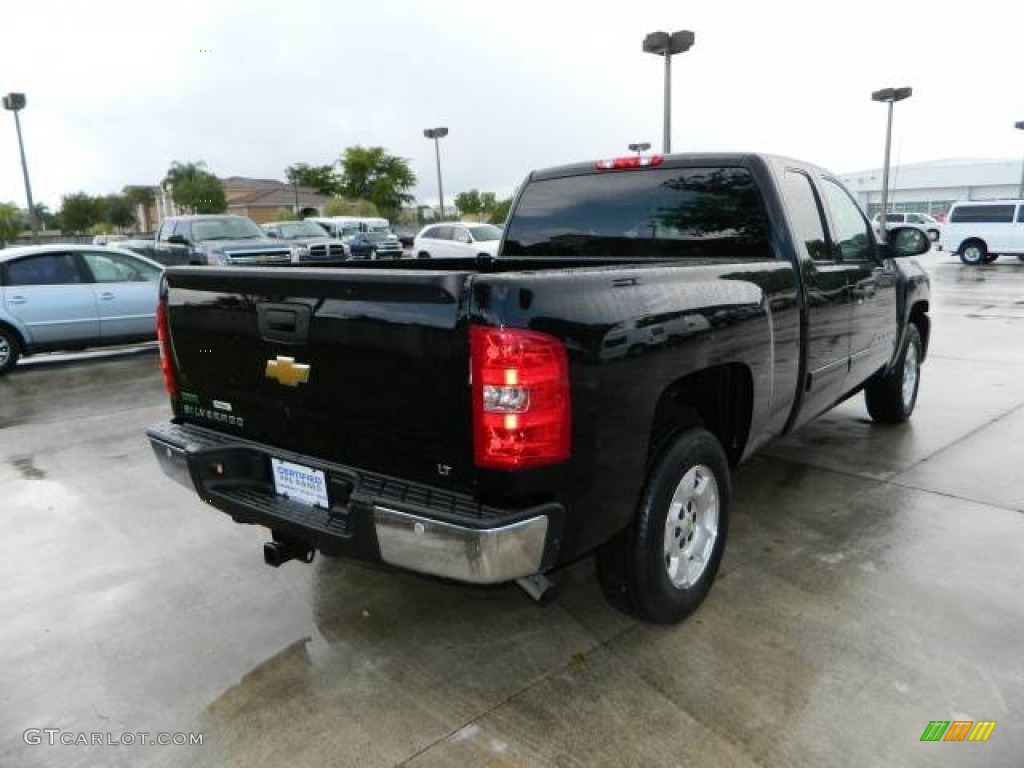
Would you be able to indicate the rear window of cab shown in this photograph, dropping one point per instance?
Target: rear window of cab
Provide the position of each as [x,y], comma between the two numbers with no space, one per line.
[664,213]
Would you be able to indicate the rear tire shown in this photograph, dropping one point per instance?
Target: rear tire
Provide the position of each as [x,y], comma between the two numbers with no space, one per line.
[973,252]
[661,568]
[891,398]
[10,350]
[422,255]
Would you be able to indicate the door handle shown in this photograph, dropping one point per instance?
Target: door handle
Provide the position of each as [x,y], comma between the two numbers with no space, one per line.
[16,300]
[107,296]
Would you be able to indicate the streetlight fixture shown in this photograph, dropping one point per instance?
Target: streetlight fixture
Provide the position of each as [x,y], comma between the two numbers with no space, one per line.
[436,134]
[664,44]
[640,147]
[888,96]
[15,102]
[1020,192]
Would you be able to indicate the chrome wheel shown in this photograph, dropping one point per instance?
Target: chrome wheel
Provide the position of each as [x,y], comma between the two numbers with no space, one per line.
[910,373]
[691,526]
[5,351]
[973,253]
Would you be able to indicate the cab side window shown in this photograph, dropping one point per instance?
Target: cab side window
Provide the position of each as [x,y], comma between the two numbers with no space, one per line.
[807,223]
[852,238]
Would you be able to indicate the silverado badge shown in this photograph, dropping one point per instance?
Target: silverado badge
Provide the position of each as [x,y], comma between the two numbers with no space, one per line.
[287,371]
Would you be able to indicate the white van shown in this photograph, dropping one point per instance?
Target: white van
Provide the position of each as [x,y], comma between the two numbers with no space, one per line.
[981,231]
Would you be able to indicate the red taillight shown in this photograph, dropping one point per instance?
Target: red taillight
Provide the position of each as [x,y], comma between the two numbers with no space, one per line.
[520,394]
[164,340]
[619,163]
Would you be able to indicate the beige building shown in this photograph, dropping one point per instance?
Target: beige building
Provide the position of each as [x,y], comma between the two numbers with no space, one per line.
[259,199]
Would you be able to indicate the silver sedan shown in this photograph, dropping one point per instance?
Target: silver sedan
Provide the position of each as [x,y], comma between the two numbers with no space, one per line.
[62,296]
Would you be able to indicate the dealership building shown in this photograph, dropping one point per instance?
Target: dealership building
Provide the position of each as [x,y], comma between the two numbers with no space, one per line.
[934,186]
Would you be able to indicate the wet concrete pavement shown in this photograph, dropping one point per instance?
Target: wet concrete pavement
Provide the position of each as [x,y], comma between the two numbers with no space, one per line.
[873,582]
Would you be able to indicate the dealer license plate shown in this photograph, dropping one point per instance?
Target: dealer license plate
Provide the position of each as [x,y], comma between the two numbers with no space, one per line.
[299,483]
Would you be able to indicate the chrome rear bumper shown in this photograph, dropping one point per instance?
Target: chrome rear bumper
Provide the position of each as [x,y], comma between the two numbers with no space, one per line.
[441,534]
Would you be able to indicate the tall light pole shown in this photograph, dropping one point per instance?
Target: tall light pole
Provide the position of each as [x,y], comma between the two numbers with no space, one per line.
[436,134]
[1020,191]
[888,96]
[15,102]
[664,44]
[640,147]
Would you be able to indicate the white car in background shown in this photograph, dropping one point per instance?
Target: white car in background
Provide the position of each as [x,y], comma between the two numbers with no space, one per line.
[928,224]
[456,239]
[979,231]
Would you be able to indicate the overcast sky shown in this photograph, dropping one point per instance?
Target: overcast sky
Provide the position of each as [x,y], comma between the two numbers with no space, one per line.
[117,89]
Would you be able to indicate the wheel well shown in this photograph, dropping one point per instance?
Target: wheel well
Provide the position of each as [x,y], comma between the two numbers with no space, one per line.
[22,346]
[721,399]
[970,240]
[919,317]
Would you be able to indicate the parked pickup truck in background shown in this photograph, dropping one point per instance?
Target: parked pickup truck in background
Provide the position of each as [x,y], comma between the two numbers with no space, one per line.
[477,419]
[218,239]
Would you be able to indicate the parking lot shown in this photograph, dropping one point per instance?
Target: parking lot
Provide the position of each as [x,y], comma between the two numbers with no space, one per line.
[872,583]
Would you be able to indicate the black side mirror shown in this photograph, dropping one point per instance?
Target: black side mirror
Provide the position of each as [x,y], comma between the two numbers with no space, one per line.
[177,240]
[907,241]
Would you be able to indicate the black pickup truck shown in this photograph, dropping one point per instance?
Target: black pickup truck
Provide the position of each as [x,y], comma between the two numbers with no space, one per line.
[647,324]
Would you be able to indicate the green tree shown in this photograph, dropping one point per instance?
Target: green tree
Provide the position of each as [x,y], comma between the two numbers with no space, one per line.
[323,178]
[11,223]
[339,206]
[469,203]
[477,204]
[137,195]
[488,202]
[80,211]
[370,173]
[118,211]
[195,188]
[499,212]
[45,219]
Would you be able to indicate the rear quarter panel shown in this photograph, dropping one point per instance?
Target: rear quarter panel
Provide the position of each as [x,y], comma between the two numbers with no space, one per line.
[707,315]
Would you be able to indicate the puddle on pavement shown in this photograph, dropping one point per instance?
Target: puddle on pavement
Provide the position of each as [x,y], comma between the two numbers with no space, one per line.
[27,468]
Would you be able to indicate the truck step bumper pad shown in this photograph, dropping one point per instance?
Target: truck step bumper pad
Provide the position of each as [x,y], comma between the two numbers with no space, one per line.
[479,556]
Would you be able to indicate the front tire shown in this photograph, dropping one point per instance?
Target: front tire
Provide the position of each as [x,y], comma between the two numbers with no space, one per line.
[661,568]
[973,252]
[422,255]
[891,398]
[10,350]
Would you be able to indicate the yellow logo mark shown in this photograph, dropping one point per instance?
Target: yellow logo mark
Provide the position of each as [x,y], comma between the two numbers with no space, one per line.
[982,730]
[286,371]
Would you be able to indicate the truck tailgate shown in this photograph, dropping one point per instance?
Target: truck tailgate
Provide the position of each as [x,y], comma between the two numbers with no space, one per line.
[361,367]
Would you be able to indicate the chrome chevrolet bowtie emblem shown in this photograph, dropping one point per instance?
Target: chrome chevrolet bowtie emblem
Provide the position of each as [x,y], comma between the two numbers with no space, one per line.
[286,371]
